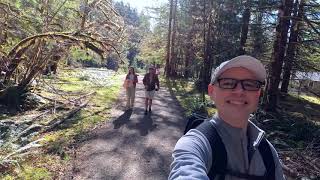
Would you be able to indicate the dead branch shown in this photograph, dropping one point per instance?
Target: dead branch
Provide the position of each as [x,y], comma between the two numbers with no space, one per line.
[19,49]
[59,120]
[40,115]
[108,6]
[51,99]
[311,25]
[84,96]
[62,95]
[103,43]
[33,144]
[315,166]
[289,172]
[56,12]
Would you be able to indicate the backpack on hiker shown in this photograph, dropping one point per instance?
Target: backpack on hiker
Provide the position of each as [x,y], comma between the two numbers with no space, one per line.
[219,153]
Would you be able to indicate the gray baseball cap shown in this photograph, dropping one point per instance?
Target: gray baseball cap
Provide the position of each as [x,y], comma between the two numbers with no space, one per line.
[248,62]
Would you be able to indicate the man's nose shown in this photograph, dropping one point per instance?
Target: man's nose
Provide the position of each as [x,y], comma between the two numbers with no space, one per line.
[238,87]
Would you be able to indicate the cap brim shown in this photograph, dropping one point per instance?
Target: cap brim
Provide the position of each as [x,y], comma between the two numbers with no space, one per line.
[248,62]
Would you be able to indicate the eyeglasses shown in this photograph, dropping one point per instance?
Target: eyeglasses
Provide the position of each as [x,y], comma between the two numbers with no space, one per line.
[246,84]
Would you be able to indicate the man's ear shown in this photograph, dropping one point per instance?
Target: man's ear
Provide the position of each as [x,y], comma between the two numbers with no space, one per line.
[210,89]
[259,93]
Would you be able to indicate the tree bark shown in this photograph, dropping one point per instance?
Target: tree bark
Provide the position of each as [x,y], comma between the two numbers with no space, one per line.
[258,35]
[291,52]
[279,48]
[167,69]
[173,69]
[244,28]
[207,59]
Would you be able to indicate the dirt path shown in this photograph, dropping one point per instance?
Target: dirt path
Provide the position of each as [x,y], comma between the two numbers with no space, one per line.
[132,146]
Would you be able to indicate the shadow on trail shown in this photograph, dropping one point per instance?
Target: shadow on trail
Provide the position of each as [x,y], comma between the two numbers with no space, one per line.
[123,119]
[133,145]
[145,125]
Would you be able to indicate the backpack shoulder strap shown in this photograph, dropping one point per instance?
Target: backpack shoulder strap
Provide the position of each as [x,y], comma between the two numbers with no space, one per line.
[268,160]
[193,121]
[219,154]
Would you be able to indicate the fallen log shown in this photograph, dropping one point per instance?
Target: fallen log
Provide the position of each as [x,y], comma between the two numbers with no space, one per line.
[57,121]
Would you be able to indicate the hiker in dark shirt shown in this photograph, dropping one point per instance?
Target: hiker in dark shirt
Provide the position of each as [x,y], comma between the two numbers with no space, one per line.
[235,88]
[151,84]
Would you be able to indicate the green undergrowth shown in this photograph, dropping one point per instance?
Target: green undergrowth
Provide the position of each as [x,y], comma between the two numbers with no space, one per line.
[296,124]
[56,154]
[189,97]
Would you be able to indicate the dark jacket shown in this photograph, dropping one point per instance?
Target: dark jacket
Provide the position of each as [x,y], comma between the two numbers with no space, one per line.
[151,83]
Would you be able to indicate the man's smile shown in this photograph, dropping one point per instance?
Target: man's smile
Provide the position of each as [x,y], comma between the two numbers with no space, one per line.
[237,102]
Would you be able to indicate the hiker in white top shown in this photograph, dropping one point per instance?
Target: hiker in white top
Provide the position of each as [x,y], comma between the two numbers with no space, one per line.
[130,85]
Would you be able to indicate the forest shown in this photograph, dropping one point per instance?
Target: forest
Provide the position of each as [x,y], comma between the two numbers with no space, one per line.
[62,61]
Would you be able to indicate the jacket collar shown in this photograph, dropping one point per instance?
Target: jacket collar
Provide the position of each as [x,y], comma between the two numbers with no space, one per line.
[254,133]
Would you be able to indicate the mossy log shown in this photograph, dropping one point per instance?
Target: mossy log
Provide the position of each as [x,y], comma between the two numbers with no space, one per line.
[12,97]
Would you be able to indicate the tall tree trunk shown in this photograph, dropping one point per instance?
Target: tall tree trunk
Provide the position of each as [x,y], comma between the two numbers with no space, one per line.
[168,58]
[208,51]
[188,54]
[279,48]
[4,29]
[257,32]
[173,69]
[205,51]
[291,52]
[210,42]
[244,28]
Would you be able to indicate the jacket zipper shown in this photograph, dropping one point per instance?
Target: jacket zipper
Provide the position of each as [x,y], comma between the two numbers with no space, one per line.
[244,156]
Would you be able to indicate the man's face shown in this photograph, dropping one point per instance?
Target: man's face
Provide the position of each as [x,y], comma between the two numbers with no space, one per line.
[151,70]
[235,102]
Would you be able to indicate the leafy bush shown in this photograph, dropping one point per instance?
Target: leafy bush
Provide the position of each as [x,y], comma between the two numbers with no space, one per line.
[197,106]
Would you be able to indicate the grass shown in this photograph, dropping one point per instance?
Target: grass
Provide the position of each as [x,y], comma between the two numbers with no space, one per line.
[189,98]
[30,173]
[305,106]
[311,99]
[55,152]
[295,125]
[99,104]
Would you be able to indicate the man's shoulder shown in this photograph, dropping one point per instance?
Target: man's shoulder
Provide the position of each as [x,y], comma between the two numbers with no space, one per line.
[193,141]
[145,75]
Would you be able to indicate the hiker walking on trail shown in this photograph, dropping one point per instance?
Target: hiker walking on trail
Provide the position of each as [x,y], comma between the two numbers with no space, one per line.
[229,145]
[130,85]
[151,84]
